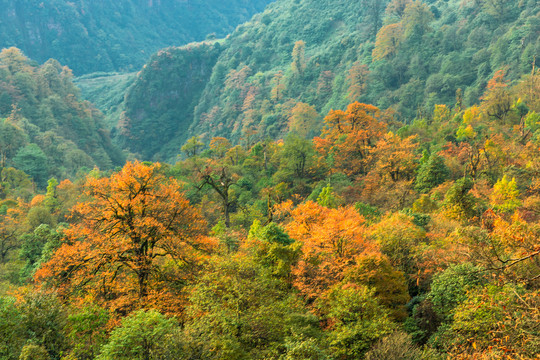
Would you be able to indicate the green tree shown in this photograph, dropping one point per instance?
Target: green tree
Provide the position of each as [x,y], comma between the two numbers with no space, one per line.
[358,320]
[296,160]
[458,202]
[11,330]
[34,245]
[495,321]
[12,138]
[33,161]
[399,345]
[298,64]
[51,200]
[192,147]
[34,352]
[450,287]
[389,284]
[416,18]
[327,197]
[431,173]
[308,349]
[239,312]
[505,195]
[304,120]
[43,319]
[143,335]
[273,248]
[86,331]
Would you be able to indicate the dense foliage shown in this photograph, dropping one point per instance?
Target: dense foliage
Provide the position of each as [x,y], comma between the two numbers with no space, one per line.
[92,36]
[45,129]
[310,56]
[107,92]
[370,241]
[294,236]
[167,102]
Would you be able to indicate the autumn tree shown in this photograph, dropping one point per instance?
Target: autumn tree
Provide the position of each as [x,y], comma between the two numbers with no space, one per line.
[131,225]
[388,39]
[14,60]
[278,86]
[472,145]
[303,119]
[298,64]
[10,229]
[416,18]
[358,78]
[395,158]
[220,146]
[192,147]
[349,136]
[388,183]
[221,179]
[331,239]
[508,248]
[497,101]
[505,195]
[236,79]
[396,8]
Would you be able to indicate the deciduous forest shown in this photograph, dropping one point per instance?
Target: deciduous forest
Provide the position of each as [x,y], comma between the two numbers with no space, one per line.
[334,180]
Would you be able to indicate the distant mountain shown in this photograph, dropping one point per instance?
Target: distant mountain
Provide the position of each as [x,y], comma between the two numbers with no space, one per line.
[403,56]
[120,35]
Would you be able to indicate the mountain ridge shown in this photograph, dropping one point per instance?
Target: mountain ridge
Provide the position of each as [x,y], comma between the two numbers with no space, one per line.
[91,36]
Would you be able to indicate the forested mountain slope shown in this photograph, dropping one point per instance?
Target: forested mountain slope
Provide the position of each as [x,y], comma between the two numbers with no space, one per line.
[89,35]
[107,92]
[158,108]
[301,58]
[45,129]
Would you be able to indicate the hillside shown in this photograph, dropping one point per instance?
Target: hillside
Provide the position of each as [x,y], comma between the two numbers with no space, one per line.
[107,92]
[335,180]
[325,54]
[157,110]
[91,36]
[45,129]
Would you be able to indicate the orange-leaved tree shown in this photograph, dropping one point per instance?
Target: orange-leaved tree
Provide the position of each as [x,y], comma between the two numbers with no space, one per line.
[497,100]
[331,240]
[388,39]
[349,136]
[134,229]
[10,229]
